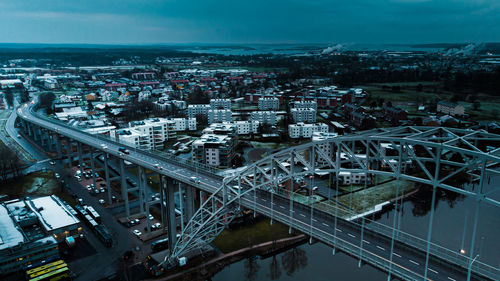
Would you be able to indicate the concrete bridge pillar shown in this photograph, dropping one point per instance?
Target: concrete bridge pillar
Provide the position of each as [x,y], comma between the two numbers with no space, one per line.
[106,174]
[79,149]
[69,152]
[57,139]
[189,202]
[124,188]
[92,165]
[141,176]
[170,210]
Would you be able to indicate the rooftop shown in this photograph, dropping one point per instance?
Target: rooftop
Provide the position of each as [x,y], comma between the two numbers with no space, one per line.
[10,235]
[52,212]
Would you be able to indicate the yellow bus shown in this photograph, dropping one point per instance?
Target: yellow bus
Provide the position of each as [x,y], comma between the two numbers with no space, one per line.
[43,267]
[50,269]
[54,275]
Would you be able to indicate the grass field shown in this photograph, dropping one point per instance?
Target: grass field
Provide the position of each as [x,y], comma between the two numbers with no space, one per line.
[250,234]
[409,98]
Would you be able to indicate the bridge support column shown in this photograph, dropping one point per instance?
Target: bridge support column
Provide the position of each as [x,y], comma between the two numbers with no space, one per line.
[58,146]
[162,203]
[189,202]
[479,197]
[69,152]
[172,226]
[123,178]
[106,174]
[79,149]
[92,166]
[141,176]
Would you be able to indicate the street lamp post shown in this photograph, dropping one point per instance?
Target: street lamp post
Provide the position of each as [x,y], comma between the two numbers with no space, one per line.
[469,272]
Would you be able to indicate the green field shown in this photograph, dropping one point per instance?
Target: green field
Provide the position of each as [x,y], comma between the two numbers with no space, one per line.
[249,235]
[409,98]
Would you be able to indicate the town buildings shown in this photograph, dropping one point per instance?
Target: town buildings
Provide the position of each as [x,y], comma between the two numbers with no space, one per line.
[269,117]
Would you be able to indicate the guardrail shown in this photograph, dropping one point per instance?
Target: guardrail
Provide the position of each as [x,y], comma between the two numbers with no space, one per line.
[160,155]
[436,250]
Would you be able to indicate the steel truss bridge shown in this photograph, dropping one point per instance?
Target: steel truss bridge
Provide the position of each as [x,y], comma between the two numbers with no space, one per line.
[434,157]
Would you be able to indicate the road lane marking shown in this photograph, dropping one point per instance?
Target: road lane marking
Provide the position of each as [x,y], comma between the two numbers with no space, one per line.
[432,270]
[397,255]
[351,235]
[326,225]
[338,230]
[282,207]
[367,242]
[414,262]
[264,200]
[451,279]
[303,215]
[315,220]
[381,248]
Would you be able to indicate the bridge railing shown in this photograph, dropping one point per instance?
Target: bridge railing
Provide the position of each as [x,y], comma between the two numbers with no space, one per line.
[347,247]
[436,250]
[161,155]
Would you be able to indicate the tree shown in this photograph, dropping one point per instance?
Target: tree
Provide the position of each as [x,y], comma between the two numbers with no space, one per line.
[274,269]
[201,120]
[251,268]
[9,97]
[294,260]
[24,96]
[476,105]
[46,100]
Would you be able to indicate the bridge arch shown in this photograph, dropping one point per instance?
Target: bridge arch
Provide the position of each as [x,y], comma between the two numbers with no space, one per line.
[442,158]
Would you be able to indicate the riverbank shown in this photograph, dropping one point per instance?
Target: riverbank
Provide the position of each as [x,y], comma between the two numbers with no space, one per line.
[207,269]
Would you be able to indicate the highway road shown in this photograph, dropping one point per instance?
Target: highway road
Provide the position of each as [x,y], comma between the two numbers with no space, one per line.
[323,224]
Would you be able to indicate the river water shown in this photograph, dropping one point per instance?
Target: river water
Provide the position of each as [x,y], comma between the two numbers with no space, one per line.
[316,262]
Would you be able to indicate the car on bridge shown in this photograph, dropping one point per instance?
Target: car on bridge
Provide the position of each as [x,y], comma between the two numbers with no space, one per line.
[123,150]
[195,179]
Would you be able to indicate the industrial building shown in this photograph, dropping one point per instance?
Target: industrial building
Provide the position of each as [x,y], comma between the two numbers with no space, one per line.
[30,230]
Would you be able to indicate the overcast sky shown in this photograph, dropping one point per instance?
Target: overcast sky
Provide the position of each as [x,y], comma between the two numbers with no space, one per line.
[255,21]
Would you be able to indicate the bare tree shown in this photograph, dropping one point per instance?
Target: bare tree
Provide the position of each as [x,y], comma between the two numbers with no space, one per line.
[294,260]
[274,269]
[251,269]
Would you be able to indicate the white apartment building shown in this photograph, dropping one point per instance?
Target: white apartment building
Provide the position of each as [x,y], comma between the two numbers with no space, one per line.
[346,178]
[184,124]
[326,148]
[264,117]
[307,115]
[220,104]
[214,150]
[147,134]
[306,130]
[269,104]
[219,115]
[247,127]
[233,128]
[450,108]
[305,104]
[195,109]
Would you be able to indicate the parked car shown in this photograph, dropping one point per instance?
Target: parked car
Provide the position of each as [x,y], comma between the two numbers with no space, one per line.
[102,190]
[137,232]
[102,202]
[80,201]
[57,175]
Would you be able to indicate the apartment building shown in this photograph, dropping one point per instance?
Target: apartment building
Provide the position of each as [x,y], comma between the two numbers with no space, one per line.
[184,124]
[269,103]
[147,134]
[233,128]
[450,108]
[327,148]
[214,150]
[195,109]
[306,115]
[306,104]
[220,104]
[219,115]
[264,117]
[302,130]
